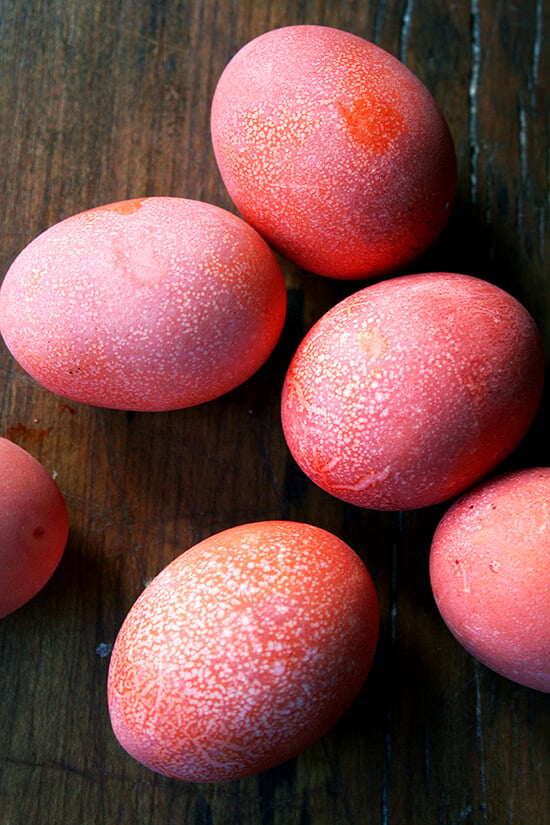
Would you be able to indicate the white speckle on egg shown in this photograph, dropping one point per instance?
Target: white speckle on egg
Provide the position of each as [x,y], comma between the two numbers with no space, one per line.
[149,304]
[420,402]
[257,638]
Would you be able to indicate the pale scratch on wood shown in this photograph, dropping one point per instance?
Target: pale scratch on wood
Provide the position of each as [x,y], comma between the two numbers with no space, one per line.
[386,768]
[378,22]
[522,139]
[397,541]
[396,552]
[464,814]
[480,742]
[405,29]
[537,45]
[473,92]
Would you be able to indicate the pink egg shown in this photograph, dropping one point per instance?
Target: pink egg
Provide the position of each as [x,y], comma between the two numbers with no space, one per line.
[242,652]
[490,574]
[412,389]
[34,526]
[333,150]
[150,304]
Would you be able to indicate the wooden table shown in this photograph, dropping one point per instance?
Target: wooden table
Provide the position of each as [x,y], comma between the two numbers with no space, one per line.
[102,100]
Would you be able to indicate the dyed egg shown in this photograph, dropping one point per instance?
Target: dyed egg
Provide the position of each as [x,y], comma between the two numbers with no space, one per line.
[242,652]
[411,390]
[34,526]
[333,150]
[149,304]
[490,574]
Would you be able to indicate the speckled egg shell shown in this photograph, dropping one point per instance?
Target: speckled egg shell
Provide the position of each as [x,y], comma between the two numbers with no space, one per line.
[333,150]
[150,304]
[411,390]
[490,574]
[242,652]
[34,526]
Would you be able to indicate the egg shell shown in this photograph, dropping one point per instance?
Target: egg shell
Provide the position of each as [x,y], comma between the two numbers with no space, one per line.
[412,389]
[147,304]
[34,526]
[242,652]
[333,150]
[490,574]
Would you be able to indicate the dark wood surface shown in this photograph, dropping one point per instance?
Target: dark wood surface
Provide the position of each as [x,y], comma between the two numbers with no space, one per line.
[102,100]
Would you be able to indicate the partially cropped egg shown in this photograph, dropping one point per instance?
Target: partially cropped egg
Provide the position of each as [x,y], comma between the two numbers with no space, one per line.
[34,526]
[150,304]
[411,390]
[243,651]
[333,150]
[490,574]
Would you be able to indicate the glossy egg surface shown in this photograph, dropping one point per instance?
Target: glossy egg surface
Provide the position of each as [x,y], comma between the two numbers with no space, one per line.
[333,150]
[411,390]
[490,574]
[34,526]
[242,651]
[150,304]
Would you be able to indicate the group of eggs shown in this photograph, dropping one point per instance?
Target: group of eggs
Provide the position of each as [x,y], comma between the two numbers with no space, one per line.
[249,646]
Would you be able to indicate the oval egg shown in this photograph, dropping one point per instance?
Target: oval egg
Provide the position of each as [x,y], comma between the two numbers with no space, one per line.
[150,304]
[242,652]
[333,150]
[490,574]
[34,526]
[411,390]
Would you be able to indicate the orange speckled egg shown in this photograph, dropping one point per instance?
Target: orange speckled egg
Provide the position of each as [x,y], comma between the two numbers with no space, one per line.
[333,150]
[412,389]
[34,526]
[150,304]
[243,651]
[490,574]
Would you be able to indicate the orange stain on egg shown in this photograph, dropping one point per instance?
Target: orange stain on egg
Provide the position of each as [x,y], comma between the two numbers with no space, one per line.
[123,207]
[333,150]
[374,124]
[372,342]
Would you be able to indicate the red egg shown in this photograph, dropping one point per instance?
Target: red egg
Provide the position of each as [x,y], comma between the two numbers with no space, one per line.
[490,574]
[34,526]
[333,150]
[149,304]
[411,390]
[242,652]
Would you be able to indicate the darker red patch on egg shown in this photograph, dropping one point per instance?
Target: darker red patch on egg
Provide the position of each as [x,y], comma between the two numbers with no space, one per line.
[29,499]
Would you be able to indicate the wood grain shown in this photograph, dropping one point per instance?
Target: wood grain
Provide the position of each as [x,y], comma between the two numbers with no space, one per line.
[101,101]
